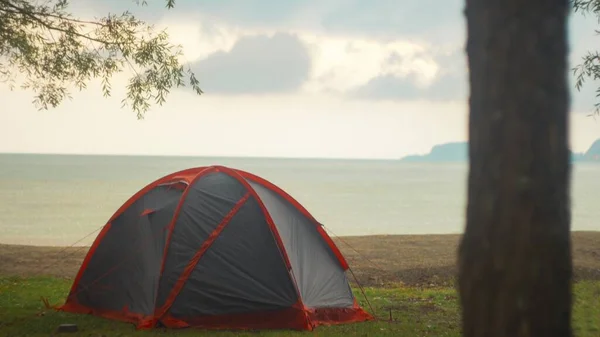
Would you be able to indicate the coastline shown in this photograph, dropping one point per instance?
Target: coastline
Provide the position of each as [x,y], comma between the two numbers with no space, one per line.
[377,260]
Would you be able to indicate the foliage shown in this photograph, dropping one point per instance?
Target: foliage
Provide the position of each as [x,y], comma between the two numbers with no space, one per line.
[589,68]
[53,51]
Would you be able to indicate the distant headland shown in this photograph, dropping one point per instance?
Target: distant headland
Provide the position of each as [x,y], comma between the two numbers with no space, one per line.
[459,152]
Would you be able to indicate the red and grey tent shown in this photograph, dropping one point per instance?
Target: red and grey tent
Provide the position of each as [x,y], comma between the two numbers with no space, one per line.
[214,247]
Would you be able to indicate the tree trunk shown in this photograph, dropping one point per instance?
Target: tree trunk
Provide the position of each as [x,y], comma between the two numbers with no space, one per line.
[515,256]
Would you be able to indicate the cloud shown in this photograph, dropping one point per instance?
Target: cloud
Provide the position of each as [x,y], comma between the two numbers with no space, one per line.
[390,87]
[387,87]
[251,12]
[392,18]
[448,83]
[384,18]
[354,47]
[263,61]
[317,49]
[198,37]
[256,64]
[344,63]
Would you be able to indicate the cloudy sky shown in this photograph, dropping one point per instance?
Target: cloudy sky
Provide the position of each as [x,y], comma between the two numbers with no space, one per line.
[327,78]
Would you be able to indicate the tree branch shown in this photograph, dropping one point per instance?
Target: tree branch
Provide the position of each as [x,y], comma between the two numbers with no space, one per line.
[55,51]
[58,29]
[22,10]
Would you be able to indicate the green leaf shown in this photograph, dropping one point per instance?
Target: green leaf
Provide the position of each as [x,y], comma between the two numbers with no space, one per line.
[53,51]
[589,68]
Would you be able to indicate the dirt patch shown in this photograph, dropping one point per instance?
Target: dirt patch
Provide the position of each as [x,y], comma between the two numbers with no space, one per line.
[40,261]
[421,260]
[430,260]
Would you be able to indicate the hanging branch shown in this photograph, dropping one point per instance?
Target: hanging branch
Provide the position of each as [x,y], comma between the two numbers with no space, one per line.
[45,49]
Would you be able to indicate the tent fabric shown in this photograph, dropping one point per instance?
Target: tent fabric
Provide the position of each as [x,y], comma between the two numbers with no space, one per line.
[214,247]
[321,280]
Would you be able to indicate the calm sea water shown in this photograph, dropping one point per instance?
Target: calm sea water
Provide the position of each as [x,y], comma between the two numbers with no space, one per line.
[57,200]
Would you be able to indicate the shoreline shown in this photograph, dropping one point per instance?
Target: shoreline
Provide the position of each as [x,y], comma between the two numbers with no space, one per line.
[425,260]
[455,236]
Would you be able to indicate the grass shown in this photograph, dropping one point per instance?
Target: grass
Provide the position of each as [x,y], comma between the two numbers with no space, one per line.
[415,312]
[410,275]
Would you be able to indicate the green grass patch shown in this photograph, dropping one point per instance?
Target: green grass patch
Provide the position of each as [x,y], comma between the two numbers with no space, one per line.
[586,309]
[415,312]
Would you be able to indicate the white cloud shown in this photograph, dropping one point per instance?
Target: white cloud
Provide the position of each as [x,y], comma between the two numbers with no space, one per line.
[343,63]
[339,63]
[198,36]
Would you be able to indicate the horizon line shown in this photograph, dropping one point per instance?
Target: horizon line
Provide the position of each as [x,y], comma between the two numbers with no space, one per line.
[199,156]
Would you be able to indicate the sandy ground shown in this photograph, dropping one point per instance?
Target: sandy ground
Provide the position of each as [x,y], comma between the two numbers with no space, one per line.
[420,260]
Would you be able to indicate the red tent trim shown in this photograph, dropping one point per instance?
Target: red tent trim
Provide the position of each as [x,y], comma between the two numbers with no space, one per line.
[196,258]
[303,210]
[272,227]
[197,176]
[87,259]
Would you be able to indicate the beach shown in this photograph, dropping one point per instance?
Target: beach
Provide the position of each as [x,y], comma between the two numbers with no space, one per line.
[377,261]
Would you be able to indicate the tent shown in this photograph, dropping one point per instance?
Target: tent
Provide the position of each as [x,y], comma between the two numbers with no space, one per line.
[216,248]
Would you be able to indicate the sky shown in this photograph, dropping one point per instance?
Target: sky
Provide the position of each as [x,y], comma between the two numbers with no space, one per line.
[320,79]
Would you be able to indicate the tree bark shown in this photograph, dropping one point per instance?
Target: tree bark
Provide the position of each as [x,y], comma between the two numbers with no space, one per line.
[515,255]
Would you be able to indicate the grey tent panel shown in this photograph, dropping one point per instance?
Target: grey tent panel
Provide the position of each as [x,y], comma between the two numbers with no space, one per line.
[242,271]
[209,199]
[125,268]
[318,273]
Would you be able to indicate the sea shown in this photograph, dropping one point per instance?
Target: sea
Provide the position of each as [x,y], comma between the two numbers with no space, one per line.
[64,200]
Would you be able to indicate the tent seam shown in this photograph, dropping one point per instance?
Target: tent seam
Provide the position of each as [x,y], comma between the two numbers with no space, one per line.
[183,278]
[274,232]
[171,227]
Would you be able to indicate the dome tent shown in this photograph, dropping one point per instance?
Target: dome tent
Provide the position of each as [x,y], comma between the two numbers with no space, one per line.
[214,247]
